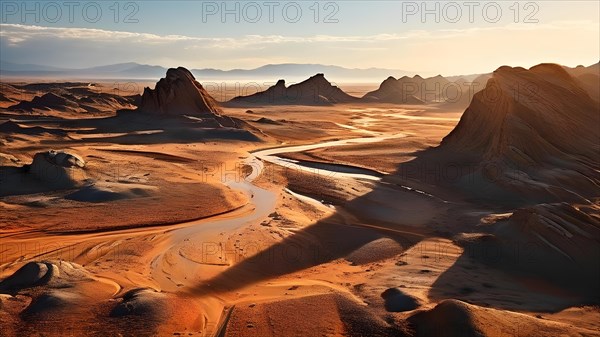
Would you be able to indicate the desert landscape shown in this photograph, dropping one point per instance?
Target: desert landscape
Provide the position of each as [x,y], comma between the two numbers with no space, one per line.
[167,213]
[414,206]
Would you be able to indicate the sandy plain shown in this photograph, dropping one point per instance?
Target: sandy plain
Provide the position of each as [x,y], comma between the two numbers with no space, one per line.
[299,233]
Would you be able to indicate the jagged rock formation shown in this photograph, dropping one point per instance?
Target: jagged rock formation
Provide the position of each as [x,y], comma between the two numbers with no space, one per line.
[49,101]
[531,132]
[410,90]
[530,141]
[179,94]
[418,90]
[391,91]
[78,98]
[316,90]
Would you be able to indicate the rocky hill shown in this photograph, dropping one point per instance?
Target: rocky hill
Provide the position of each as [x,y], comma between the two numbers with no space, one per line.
[179,94]
[316,90]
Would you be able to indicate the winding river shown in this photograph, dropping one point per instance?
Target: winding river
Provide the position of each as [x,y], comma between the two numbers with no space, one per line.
[262,201]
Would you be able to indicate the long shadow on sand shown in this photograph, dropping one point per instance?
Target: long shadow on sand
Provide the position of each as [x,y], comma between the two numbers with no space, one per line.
[332,239]
[337,237]
[325,241]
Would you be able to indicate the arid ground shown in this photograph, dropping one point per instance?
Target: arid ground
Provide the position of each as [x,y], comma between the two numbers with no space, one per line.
[291,220]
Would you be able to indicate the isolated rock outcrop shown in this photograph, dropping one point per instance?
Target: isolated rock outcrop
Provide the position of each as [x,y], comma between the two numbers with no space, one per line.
[316,90]
[179,94]
[49,171]
[51,273]
[141,302]
[55,168]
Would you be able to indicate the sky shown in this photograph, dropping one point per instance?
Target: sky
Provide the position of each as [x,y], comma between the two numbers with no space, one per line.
[433,37]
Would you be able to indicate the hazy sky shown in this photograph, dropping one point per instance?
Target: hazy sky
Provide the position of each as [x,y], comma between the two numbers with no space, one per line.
[451,38]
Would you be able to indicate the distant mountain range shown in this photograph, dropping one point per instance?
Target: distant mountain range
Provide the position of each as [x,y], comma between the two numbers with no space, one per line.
[290,71]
